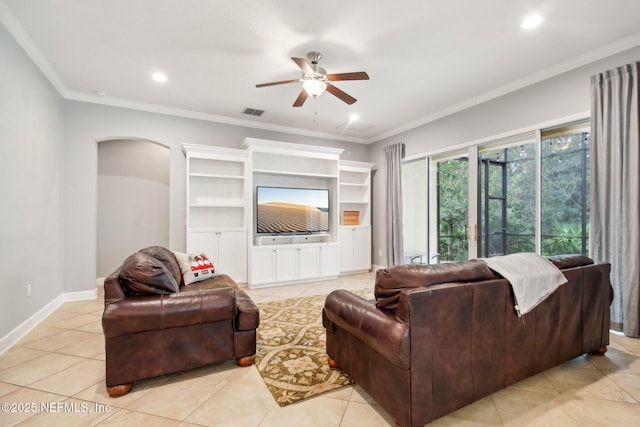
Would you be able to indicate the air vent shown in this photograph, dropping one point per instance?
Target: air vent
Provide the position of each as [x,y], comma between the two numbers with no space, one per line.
[253,112]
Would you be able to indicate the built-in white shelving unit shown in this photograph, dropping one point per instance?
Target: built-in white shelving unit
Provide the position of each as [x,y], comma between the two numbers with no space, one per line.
[216,219]
[281,259]
[221,211]
[355,216]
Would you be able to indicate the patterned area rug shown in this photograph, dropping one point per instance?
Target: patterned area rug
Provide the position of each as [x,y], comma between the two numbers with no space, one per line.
[291,354]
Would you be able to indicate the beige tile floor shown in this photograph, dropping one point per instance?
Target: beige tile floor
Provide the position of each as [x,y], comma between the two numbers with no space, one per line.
[61,364]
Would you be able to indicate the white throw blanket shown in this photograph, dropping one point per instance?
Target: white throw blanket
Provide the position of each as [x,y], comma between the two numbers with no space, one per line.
[532,277]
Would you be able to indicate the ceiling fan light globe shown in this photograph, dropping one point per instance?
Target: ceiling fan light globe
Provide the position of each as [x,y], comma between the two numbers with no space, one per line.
[314,87]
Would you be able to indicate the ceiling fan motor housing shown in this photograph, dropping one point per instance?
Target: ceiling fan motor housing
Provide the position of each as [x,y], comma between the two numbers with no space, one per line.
[319,73]
[314,57]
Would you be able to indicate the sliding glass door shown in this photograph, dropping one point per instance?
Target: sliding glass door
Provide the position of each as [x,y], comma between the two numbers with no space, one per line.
[507,197]
[452,199]
[528,193]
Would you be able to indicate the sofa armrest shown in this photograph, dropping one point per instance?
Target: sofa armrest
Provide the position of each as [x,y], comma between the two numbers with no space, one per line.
[376,327]
[248,317]
[154,312]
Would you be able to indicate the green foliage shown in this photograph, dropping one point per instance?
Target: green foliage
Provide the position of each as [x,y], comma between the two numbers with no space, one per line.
[453,209]
[566,239]
[564,192]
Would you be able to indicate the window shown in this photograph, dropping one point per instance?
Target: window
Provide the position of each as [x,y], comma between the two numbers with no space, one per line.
[564,190]
[414,210]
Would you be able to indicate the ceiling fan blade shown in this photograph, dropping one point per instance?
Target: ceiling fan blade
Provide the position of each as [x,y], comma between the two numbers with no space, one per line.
[278,83]
[301,98]
[304,65]
[340,94]
[359,75]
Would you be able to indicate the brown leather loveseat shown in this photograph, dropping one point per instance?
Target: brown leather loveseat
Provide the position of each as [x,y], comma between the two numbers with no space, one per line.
[155,325]
[440,337]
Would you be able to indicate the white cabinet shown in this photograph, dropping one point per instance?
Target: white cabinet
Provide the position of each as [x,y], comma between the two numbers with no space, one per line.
[226,249]
[263,265]
[328,260]
[308,262]
[216,207]
[277,264]
[286,263]
[355,248]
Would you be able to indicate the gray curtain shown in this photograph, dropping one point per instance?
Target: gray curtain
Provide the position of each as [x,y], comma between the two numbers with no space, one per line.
[393,166]
[615,187]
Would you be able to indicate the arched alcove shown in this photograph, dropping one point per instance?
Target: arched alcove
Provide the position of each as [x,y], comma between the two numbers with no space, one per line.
[132,198]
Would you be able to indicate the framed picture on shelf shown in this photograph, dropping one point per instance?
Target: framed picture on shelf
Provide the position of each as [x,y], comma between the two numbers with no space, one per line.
[351,218]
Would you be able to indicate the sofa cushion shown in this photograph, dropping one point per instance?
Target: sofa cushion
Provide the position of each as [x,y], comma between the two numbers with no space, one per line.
[166,257]
[391,281]
[143,274]
[215,282]
[194,267]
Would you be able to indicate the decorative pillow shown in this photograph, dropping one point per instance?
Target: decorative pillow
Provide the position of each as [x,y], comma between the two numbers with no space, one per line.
[194,267]
[391,281]
[142,274]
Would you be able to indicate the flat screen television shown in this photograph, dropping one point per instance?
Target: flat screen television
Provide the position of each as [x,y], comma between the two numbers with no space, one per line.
[285,210]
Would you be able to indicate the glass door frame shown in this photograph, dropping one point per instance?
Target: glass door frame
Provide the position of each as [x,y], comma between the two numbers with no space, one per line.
[471,153]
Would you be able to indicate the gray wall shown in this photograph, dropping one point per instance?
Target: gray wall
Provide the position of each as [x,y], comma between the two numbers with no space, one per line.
[559,97]
[31,179]
[133,200]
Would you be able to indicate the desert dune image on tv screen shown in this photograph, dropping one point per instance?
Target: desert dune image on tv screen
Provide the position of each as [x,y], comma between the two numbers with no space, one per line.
[277,217]
[292,210]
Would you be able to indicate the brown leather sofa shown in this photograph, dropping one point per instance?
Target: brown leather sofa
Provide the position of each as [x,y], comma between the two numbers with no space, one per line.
[440,337]
[154,325]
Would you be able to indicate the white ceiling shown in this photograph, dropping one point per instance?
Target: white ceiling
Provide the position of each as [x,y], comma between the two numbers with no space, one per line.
[425,58]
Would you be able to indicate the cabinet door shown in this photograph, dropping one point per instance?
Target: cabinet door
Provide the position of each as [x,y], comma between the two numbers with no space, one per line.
[345,240]
[286,263]
[263,265]
[232,254]
[361,248]
[308,261]
[329,260]
[206,242]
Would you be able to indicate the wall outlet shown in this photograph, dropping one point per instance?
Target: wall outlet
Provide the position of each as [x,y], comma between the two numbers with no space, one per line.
[28,289]
[379,252]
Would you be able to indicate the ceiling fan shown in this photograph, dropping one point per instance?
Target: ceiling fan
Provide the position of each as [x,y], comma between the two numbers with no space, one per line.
[315,80]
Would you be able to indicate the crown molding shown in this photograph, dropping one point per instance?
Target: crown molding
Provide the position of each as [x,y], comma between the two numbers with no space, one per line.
[26,43]
[179,112]
[24,40]
[571,64]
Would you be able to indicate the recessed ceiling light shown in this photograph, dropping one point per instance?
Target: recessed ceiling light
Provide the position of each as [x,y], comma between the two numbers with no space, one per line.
[531,21]
[353,117]
[159,77]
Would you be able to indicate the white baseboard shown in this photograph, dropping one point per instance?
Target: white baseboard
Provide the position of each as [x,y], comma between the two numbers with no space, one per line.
[7,341]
